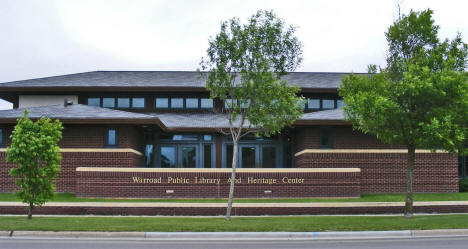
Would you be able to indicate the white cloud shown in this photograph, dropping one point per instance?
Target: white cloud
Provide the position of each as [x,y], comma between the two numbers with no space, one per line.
[43,38]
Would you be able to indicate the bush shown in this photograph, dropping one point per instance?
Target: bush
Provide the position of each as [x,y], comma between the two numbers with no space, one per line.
[463,184]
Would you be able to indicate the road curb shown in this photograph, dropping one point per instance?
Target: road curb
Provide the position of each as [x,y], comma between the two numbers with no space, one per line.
[241,235]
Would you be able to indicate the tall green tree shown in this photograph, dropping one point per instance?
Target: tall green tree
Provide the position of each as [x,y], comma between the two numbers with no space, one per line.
[35,151]
[245,64]
[420,100]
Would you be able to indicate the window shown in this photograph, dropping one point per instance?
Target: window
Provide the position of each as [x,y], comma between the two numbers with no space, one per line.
[206,103]
[108,102]
[123,102]
[111,138]
[162,103]
[185,138]
[94,101]
[1,137]
[177,103]
[207,137]
[191,103]
[325,139]
[339,104]
[313,104]
[328,104]
[229,103]
[207,155]
[138,102]
[168,157]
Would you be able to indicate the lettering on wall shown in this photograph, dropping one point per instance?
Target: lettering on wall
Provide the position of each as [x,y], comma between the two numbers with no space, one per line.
[217,181]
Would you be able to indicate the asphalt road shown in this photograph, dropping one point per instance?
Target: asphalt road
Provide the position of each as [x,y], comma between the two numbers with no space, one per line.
[90,243]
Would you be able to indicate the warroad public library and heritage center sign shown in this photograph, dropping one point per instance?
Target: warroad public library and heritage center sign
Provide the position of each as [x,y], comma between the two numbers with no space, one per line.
[214,183]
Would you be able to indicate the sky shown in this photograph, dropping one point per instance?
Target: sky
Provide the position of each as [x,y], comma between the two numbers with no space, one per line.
[47,38]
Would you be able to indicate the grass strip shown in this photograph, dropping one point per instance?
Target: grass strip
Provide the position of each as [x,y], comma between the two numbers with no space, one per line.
[238,224]
[67,197]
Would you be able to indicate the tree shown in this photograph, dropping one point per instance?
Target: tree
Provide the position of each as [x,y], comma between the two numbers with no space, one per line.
[420,100]
[35,151]
[245,65]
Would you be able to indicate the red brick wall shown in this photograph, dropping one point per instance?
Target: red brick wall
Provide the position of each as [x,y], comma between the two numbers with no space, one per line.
[95,136]
[343,137]
[121,184]
[82,137]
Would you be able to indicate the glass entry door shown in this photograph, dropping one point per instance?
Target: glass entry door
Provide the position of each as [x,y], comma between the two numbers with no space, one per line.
[179,156]
[188,155]
[253,156]
[248,157]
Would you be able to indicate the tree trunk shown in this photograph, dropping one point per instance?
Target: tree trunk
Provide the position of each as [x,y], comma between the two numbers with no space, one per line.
[233,179]
[410,182]
[30,209]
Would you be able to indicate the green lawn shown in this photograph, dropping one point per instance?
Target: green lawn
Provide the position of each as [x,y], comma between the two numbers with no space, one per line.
[247,224]
[365,198]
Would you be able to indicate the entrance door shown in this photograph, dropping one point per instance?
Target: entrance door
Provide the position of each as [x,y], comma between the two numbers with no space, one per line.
[188,156]
[179,156]
[248,156]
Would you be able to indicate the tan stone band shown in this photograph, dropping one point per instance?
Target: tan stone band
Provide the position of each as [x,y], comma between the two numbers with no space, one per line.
[258,205]
[396,151]
[217,170]
[121,150]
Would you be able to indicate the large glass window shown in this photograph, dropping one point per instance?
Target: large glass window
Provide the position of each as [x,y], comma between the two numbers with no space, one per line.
[207,156]
[162,103]
[268,157]
[188,156]
[229,152]
[177,103]
[325,141]
[94,101]
[248,154]
[188,150]
[206,103]
[111,140]
[167,157]
[313,104]
[138,102]
[123,102]
[191,103]
[108,102]
[328,104]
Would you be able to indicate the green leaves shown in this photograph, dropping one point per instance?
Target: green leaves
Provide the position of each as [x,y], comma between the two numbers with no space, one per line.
[421,97]
[245,63]
[35,151]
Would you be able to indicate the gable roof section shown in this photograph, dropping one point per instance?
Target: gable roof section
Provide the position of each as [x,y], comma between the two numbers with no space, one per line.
[333,116]
[78,113]
[83,114]
[147,80]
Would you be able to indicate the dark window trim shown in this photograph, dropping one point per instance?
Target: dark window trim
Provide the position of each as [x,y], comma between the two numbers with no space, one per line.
[106,137]
[2,137]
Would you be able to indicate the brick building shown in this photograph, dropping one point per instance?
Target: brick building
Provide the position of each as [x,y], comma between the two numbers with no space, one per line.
[156,134]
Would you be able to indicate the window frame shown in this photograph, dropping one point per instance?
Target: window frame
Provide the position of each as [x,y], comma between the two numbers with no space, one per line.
[177,108]
[2,137]
[322,132]
[144,102]
[106,137]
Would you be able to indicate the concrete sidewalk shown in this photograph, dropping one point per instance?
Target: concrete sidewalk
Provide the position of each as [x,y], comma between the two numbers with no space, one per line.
[239,235]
